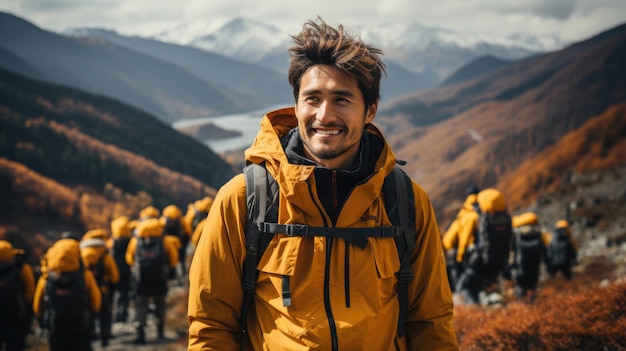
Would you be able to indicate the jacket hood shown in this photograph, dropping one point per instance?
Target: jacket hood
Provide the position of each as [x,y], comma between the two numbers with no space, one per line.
[120,227]
[203,205]
[7,252]
[561,223]
[527,218]
[172,212]
[148,228]
[149,212]
[96,234]
[268,147]
[491,200]
[63,256]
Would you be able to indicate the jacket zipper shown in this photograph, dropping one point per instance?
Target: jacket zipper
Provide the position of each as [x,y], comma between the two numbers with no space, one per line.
[329,248]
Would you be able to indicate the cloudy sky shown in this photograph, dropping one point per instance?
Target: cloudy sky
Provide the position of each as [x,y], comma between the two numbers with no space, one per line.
[568,20]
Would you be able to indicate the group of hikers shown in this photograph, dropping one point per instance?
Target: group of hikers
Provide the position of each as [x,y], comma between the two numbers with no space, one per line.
[87,282]
[485,243]
[323,242]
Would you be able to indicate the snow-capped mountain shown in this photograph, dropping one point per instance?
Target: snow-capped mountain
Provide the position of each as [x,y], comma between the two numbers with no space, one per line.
[244,39]
[421,49]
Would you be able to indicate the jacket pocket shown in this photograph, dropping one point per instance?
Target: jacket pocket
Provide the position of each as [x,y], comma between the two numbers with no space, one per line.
[387,265]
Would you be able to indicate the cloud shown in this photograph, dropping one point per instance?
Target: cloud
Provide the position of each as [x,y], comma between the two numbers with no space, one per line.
[571,19]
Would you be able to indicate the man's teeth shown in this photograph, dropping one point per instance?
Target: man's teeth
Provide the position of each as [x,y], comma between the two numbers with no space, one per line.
[328,132]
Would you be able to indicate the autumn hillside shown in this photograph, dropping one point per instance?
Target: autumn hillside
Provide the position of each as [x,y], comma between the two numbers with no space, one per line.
[598,145]
[482,130]
[72,160]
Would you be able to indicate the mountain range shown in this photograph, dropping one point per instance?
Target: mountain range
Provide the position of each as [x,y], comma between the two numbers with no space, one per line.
[430,51]
[481,131]
[238,67]
[523,125]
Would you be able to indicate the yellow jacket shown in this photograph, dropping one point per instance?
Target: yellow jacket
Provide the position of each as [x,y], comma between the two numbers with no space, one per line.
[489,201]
[202,206]
[151,228]
[27,278]
[319,269]
[451,236]
[64,256]
[93,247]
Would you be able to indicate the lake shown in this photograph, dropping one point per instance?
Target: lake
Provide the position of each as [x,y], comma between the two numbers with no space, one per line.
[247,123]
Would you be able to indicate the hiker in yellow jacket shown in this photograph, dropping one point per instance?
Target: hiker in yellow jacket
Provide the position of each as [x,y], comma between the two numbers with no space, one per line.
[17,284]
[151,280]
[529,250]
[96,257]
[117,244]
[562,249]
[477,275]
[450,238]
[172,221]
[326,293]
[195,216]
[70,324]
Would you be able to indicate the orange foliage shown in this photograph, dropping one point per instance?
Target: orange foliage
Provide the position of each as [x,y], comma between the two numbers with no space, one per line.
[590,319]
[599,144]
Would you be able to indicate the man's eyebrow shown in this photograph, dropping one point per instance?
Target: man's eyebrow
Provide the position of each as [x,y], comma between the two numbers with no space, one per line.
[346,93]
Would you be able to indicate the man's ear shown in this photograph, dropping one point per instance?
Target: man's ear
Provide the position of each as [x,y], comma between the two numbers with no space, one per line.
[371,112]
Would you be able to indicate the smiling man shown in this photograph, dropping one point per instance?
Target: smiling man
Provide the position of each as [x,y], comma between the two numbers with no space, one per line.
[335,285]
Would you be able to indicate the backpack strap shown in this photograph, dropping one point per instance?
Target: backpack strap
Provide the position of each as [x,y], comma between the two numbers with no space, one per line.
[261,206]
[400,207]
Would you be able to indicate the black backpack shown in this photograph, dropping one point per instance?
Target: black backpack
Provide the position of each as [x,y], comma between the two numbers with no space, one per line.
[560,250]
[262,214]
[98,270]
[529,251]
[150,269]
[66,305]
[172,227]
[493,239]
[12,303]
[118,251]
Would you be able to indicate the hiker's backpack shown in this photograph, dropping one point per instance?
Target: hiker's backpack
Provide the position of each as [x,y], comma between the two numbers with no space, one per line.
[150,269]
[118,251]
[172,227]
[262,217]
[493,239]
[66,304]
[560,249]
[12,303]
[98,270]
[529,251]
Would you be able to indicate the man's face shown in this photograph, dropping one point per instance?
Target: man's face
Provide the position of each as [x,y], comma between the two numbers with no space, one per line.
[331,116]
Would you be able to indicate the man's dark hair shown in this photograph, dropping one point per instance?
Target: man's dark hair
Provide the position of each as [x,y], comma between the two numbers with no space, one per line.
[320,44]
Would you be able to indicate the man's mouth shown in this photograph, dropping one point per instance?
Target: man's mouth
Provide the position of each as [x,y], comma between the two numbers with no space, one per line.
[327,131]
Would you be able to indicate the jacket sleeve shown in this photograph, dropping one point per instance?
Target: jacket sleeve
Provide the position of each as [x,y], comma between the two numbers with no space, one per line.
[130,251]
[451,236]
[38,298]
[466,234]
[171,245]
[28,282]
[215,302]
[429,325]
[93,291]
[113,274]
